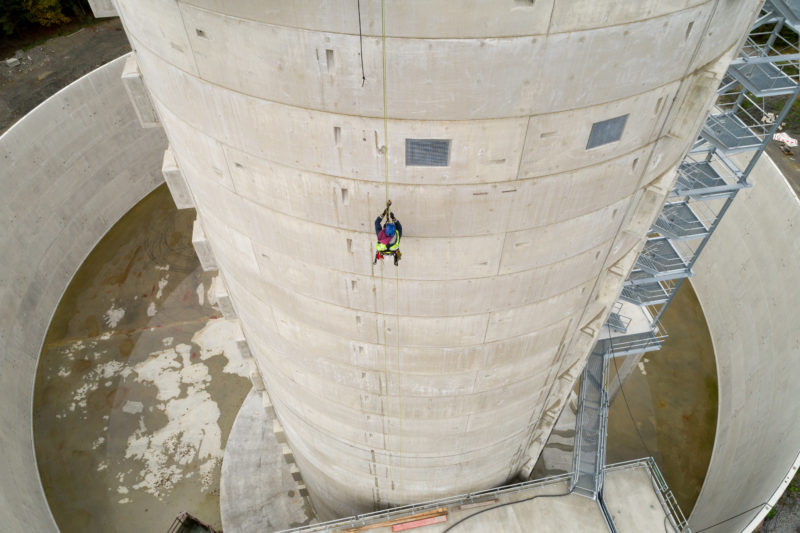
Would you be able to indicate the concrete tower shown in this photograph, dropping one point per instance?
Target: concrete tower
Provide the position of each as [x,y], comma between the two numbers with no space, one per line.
[548,134]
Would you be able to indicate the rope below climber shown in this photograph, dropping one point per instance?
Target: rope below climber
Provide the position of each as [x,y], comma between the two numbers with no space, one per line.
[389,234]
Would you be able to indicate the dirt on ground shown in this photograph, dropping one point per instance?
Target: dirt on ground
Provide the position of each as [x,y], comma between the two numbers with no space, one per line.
[45,69]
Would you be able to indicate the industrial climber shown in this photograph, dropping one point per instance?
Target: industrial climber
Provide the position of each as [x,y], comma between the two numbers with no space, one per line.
[389,235]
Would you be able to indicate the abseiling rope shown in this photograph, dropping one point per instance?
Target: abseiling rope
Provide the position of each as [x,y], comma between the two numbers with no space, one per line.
[387,396]
[385,120]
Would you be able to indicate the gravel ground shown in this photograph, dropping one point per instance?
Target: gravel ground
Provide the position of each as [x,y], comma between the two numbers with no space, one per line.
[45,69]
[785,517]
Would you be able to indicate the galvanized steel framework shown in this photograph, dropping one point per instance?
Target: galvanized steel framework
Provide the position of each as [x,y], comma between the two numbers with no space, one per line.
[754,97]
[762,79]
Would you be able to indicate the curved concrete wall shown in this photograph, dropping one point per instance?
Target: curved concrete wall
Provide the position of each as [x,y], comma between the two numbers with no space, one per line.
[69,170]
[747,283]
[447,374]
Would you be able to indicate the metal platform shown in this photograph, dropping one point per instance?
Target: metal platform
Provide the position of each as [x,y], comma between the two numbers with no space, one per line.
[648,293]
[639,277]
[647,341]
[729,133]
[709,178]
[763,79]
[641,335]
[661,259]
[789,9]
[616,321]
[679,221]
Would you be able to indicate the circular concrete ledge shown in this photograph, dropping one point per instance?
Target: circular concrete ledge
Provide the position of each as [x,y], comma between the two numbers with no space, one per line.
[257,490]
[69,170]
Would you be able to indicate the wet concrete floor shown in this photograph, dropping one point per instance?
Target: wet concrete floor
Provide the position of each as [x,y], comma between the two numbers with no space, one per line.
[139,382]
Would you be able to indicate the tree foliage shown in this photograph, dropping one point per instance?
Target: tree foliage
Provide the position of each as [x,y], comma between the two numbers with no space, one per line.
[16,15]
[12,14]
[45,12]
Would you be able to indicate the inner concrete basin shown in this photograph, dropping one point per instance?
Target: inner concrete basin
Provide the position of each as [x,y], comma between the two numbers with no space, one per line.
[140,381]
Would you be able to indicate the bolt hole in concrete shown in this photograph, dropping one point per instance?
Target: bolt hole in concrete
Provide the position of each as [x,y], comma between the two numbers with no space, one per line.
[138,383]
[673,398]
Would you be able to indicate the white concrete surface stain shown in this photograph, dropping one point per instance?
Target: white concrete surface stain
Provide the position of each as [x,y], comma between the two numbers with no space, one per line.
[219,336]
[200,294]
[92,379]
[114,315]
[133,408]
[151,309]
[167,341]
[191,436]
[161,284]
[211,292]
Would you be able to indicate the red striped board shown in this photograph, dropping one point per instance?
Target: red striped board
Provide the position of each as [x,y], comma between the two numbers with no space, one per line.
[419,523]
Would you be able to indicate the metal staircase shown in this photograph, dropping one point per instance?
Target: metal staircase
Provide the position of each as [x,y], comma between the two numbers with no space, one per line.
[589,456]
[753,99]
[649,293]
[679,221]
[707,174]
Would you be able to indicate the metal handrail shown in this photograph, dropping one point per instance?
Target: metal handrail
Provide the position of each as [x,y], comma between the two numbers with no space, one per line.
[666,497]
[639,341]
[362,519]
[656,259]
[681,225]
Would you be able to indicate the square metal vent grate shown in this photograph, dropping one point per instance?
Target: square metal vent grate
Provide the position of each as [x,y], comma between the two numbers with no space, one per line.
[427,152]
[606,131]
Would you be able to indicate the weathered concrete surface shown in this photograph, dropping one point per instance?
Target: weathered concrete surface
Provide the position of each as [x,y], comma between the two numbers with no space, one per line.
[103,8]
[449,373]
[68,171]
[747,284]
[258,492]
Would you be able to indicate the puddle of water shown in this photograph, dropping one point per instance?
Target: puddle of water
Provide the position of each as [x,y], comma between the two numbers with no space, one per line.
[137,386]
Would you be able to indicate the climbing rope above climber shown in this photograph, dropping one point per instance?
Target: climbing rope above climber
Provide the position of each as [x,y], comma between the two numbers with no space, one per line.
[389,234]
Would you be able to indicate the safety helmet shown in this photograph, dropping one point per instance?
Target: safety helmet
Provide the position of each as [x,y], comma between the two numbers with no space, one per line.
[389,230]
